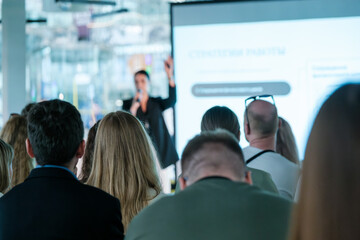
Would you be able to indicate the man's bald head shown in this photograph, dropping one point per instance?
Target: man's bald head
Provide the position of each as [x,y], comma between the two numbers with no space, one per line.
[213,153]
[263,118]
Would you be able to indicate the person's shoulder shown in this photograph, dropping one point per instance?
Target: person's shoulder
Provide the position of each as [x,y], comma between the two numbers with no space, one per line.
[161,210]
[94,192]
[271,203]
[15,191]
[153,197]
[217,189]
[161,202]
[242,190]
[268,156]
[259,172]
[286,162]
[263,180]
[268,197]
[260,200]
[250,151]
[127,102]
[155,99]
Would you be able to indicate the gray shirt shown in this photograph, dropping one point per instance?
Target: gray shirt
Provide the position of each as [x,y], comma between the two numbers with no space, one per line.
[284,173]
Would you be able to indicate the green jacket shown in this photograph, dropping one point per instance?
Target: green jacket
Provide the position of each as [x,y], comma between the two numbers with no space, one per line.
[260,179]
[214,209]
[263,180]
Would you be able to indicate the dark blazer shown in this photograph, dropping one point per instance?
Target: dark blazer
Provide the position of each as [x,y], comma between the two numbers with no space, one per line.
[212,209]
[155,126]
[52,204]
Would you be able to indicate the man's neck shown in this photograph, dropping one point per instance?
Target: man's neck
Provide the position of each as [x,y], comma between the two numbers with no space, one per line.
[266,143]
[71,165]
[218,173]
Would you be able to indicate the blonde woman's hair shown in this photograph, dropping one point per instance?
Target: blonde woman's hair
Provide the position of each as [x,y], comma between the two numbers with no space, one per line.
[124,163]
[285,142]
[15,133]
[329,200]
[6,156]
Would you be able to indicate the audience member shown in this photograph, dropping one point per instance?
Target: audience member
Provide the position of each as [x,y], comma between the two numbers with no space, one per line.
[330,191]
[49,204]
[15,133]
[88,157]
[260,126]
[6,157]
[216,201]
[223,118]
[285,142]
[124,163]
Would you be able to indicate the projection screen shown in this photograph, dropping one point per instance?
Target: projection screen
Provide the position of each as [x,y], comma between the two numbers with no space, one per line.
[298,51]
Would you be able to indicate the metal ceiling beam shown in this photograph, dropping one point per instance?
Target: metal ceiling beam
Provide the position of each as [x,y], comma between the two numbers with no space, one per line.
[96,2]
[122,10]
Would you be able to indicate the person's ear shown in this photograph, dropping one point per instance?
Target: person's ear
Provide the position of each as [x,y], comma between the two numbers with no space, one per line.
[81,150]
[246,129]
[182,183]
[248,177]
[29,148]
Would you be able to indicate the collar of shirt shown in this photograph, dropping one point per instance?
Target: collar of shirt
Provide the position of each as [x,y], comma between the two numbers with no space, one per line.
[55,166]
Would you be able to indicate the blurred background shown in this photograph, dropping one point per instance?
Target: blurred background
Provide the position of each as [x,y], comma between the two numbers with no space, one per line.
[86,53]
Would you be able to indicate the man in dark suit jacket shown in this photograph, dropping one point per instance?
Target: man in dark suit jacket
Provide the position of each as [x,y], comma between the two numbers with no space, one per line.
[217,202]
[52,203]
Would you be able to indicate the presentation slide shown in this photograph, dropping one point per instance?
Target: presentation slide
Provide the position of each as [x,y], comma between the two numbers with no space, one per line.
[299,61]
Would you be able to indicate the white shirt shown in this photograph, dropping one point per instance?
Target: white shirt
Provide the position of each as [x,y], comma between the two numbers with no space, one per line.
[284,173]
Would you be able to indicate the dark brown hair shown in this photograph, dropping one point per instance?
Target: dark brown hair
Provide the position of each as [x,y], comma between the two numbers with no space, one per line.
[87,159]
[55,131]
[330,191]
[25,111]
[220,117]
[143,72]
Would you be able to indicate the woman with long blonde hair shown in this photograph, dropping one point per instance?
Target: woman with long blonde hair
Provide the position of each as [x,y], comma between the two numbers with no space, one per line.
[6,156]
[15,133]
[328,207]
[124,163]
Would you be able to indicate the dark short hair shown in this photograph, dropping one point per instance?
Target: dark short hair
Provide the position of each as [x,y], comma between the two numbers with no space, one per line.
[25,111]
[144,73]
[220,117]
[55,131]
[219,136]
